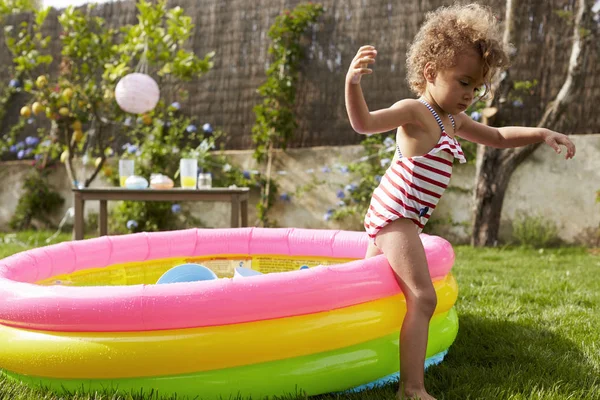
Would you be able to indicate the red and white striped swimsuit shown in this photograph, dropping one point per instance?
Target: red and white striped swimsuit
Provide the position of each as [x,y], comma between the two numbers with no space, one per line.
[412,186]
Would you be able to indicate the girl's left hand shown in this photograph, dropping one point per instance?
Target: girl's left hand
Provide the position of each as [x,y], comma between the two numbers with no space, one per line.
[554,139]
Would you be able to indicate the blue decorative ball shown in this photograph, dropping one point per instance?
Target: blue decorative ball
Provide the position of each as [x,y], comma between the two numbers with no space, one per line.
[131,224]
[187,273]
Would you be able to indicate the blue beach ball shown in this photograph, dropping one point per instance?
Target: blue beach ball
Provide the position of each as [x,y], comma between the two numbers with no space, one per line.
[187,273]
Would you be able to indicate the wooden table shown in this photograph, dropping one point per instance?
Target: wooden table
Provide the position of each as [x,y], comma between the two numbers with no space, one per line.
[238,197]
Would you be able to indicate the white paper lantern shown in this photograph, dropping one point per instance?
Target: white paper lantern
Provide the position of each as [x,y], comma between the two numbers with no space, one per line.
[137,93]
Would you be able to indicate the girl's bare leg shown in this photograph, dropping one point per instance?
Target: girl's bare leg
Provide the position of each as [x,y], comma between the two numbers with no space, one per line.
[372,250]
[400,243]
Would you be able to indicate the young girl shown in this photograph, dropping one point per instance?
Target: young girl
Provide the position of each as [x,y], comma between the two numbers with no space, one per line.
[456,52]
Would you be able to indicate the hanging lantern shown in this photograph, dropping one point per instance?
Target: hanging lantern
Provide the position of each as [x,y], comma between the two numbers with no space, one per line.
[137,93]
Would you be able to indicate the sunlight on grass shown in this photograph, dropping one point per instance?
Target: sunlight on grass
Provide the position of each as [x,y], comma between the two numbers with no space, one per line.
[529,328]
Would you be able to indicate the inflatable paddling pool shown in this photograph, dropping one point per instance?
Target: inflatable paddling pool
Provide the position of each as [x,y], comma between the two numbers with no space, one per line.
[88,315]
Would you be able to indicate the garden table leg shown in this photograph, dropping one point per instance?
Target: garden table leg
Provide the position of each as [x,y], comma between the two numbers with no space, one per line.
[79,205]
[103,219]
[244,213]
[235,211]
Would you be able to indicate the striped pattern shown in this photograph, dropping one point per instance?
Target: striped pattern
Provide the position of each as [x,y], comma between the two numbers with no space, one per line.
[412,186]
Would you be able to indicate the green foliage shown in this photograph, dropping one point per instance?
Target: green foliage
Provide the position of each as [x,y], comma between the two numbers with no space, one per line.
[86,120]
[26,45]
[160,37]
[521,90]
[275,122]
[535,231]
[38,201]
[566,15]
[367,173]
[8,7]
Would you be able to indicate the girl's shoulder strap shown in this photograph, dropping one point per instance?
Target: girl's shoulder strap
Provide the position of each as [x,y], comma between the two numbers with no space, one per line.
[436,116]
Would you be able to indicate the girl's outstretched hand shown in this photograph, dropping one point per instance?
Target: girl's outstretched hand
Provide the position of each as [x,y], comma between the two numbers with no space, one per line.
[555,139]
[359,65]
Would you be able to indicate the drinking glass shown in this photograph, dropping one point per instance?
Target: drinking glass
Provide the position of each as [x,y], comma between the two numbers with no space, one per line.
[204,181]
[188,170]
[126,169]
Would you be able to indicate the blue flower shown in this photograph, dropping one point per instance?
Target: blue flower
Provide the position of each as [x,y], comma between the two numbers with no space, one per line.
[351,187]
[127,121]
[13,149]
[14,83]
[328,215]
[21,154]
[30,120]
[246,174]
[38,156]
[175,105]
[341,203]
[344,169]
[207,128]
[191,128]
[476,116]
[132,224]
[175,208]
[340,194]
[377,178]
[384,161]
[325,169]
[132,148]
[284,197]
[28,152]
[389,142]
[20,145]
[518,103]
[31,141]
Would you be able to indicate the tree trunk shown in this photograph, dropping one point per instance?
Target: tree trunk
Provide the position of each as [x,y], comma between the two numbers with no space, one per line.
[496,166]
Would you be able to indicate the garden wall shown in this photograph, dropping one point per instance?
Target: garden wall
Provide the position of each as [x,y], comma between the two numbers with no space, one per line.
[559,191]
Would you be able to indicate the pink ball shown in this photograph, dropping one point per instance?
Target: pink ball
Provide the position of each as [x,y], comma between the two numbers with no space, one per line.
[137,93]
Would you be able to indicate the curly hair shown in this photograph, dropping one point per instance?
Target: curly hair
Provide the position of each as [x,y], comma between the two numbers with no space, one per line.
[450,31]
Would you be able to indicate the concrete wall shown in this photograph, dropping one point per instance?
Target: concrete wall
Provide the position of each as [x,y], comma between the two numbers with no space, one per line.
[546,185]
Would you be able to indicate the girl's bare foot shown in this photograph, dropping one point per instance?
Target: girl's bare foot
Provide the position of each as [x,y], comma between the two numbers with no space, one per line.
[414,395]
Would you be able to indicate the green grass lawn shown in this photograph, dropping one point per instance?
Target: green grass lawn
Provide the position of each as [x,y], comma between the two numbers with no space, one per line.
[529,328]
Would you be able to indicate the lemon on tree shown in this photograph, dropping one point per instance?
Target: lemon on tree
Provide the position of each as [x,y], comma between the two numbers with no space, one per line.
[77,135]
[64,156]
[146,119]
[64,111]
[41,81]
[25,111]
[67,94]
[37,108]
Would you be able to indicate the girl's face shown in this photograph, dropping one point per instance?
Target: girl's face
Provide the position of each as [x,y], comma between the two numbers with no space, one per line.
[455,88]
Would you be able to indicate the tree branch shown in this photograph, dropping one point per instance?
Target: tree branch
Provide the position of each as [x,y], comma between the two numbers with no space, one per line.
[99,132]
